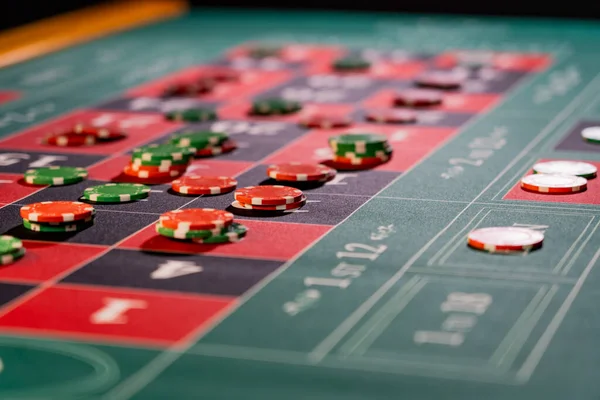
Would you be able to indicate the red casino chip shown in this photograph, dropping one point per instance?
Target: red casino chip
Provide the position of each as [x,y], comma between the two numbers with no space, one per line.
[268,195]
[505,238]
[200,184]
[56,211]
[391,116]
[296,171]
[221,75]
[158,169]
[227,147]
[69,139]
[201,86]
[98,133]
[136,171]
[325,120]
[440,80]
[418,98]
[365,161]
[283,207]
[196,219]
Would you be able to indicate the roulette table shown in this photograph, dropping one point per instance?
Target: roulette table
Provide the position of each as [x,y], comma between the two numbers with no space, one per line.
[372,285]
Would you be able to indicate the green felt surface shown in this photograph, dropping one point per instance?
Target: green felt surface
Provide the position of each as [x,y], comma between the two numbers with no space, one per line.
[319,330]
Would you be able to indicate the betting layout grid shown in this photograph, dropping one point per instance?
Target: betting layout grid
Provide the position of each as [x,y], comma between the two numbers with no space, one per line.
[163,275]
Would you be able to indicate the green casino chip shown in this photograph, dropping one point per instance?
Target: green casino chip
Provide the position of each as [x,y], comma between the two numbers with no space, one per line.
[192,115]
[264,51]
[193,234]
[370,154]
[352,63]
[160,152]
[9,244]
[63,228]
[6,259]
[275,106]
[364,144]
[116,192]
[234,233]
[199,139]
[55,176]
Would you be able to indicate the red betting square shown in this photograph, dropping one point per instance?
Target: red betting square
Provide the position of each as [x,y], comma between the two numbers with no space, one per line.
[589,196]
[249,82]
[268,240]
[508,61]
[140,128]
[116,315]
[454,102]
[13,188]
[410,144]
[46,260]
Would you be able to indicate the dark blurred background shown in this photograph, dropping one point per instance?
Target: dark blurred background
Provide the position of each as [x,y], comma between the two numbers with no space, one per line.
[19,13]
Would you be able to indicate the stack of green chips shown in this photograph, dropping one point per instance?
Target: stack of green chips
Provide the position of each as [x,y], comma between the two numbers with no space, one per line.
[192,115]
[350,64]
[11,249]
[229,234]
[359,150]
[207,143]
[275,106]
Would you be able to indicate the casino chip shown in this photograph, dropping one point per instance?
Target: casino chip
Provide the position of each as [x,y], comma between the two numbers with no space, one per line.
[160,152]
[351,64]
[62,228]
[296,171]
[98,133]
[138,162]
[591,134]
[325,120]
[192,115]
[577,168]
[55,176]
[9,258]
[69,139]
[194,88]
[440,80]
[553,184]
[56,211]
[505,239]
[391,115]
[234,233]
[158,169]
[190,234]
[271,195]
[365,161]
[116,192]
[199,139]
[196,219]
[203,185]
[275,106]
[356,151]
[138,172]
[264,51]
[9,244]
[418,98]
[225,147]
[359,143]
[283,207]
